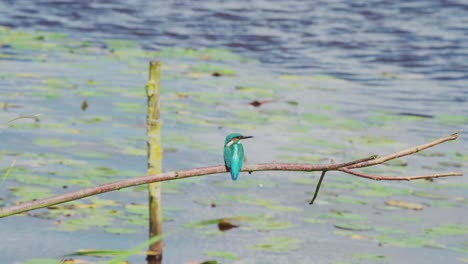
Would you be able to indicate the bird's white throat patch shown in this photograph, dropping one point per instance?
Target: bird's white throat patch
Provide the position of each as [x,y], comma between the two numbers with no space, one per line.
[231,142]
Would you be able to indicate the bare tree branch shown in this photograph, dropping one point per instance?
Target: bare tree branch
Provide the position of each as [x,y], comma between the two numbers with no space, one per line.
[400,178]
[345,167]
[405,152]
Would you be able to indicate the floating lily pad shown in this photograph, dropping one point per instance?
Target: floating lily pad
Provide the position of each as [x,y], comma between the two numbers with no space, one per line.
[53,142]
[408,241]
[354,226]
[278,244]
[131,107]
[346,215]
[222,254]
[452,119]
[408,219]
[42,261]
[367,256]
[447,230]
[87,222]
[120,230]
[27,193]
[267,224]
[211,69]
[370,140]
[349,200]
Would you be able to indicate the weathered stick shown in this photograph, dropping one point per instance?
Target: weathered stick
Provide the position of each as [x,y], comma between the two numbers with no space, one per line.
[154,160]
[344,167]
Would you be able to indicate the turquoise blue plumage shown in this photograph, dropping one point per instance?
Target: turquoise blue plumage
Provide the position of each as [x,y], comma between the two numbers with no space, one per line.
[234,154]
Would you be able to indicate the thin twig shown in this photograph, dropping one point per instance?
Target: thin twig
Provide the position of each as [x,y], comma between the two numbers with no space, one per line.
[399,178]
[318,187]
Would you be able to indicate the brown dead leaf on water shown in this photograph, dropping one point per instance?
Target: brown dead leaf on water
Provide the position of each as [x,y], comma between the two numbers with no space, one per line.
[404,205]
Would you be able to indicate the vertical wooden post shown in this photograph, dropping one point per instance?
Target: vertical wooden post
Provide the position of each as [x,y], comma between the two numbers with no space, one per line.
[154,160]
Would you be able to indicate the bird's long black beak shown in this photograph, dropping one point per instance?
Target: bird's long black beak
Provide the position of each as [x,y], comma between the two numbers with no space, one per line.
[246,137]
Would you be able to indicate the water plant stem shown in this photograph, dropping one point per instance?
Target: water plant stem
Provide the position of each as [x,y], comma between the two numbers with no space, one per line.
[154,160]
[175,175]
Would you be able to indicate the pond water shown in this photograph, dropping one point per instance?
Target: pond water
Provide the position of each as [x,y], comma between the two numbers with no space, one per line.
[337,80]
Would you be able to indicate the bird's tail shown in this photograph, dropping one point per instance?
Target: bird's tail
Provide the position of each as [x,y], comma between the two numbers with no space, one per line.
[234,175]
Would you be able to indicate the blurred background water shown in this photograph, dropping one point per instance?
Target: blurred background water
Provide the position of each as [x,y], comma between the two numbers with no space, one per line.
[345,79]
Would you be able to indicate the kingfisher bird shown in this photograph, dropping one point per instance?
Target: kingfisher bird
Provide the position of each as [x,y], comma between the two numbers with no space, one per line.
[234,153]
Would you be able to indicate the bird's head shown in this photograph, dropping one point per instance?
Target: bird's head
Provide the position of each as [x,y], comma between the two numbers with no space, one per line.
[234,139]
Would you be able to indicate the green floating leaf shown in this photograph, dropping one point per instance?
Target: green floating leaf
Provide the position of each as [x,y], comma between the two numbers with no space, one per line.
[90,221]
[211,68]
[27,193]
[204,223]
[354,226]
[303,181]
[453,119]
[348,200]
[381,191]
[120,230]
[42,261]
[131,107]
[116,44]
[135,250]
[447,230]
[270,205]
[278,244]
[222,254]
[53,142]
[245,183]
[367,256]
[265,203]
[315,118]
[266,223]
[95,252]
[92,154]
[370,140]
[206,54]
[461,156]
[140,209]
[346,215]
[408,241]
[406,219]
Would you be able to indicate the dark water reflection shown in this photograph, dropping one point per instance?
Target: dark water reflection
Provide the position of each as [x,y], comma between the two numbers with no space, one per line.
[343,38]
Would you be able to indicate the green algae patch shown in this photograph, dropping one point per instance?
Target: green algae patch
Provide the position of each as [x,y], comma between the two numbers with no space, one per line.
[370,140]
[277,244]
[222,254]
[453,120]
[407,241]
[120,230]
[130,107]
[201,54]
[447,230]
[261,202]
[211,69]
[28,193]
[367,256]
[53,142]
[353,226]
[375,190]
[246,184]
[406,219]
[42,261]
